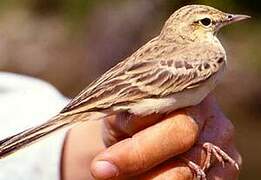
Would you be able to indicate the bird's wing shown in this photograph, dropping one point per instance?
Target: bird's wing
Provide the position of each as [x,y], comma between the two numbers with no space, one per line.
[132,80]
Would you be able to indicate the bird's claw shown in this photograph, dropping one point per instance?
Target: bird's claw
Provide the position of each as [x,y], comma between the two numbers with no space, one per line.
[221,156]
[211,149]
[197,170]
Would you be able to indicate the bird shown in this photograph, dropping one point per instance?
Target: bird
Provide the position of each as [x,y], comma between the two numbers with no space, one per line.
[176,69]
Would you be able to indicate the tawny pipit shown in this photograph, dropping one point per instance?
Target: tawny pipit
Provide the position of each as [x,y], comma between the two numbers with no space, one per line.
[176,69]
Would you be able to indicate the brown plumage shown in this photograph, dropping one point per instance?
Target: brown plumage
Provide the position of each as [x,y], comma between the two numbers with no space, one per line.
[176,69]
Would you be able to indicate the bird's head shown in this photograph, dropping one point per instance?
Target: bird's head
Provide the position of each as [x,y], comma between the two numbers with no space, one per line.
[199,21]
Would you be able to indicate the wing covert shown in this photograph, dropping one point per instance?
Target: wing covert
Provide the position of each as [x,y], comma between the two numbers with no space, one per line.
[132,80]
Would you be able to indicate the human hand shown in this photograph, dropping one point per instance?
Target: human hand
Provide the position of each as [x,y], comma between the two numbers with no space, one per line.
[150,148]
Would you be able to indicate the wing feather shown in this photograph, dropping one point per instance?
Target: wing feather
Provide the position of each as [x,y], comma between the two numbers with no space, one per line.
[132,80]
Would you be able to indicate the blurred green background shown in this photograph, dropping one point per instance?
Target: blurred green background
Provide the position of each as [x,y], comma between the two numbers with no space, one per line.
[71,42]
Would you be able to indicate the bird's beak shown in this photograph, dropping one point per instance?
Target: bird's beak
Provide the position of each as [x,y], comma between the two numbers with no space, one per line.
[229,19]
[232,18]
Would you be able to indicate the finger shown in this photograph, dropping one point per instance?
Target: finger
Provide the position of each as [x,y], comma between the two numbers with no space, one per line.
[172,169]
[124,125]
[203,111]
[216,128]
[178,169]
[148,148]
[81,144]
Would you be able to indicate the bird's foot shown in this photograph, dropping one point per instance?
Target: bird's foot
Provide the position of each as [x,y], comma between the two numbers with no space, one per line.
[217,152]
[221,156]
[197,170]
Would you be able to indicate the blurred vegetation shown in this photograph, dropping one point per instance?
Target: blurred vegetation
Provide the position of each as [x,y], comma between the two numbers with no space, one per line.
[68,41]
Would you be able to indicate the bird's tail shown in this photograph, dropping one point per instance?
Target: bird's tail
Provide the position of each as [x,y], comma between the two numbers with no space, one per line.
[29,136]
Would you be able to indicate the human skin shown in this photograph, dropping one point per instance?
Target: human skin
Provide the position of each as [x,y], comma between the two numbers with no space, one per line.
[151,147]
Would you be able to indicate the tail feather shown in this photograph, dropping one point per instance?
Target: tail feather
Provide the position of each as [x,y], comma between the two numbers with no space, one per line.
[29,136]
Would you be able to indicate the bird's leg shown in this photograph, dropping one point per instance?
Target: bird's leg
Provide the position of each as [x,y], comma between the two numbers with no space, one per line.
[217,152]
[221,156]
[198,171]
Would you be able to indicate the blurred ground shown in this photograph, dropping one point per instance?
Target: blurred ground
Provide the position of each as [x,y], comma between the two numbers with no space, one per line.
[70,43]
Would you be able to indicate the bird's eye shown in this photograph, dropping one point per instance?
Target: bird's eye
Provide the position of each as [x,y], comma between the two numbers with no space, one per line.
[205,21]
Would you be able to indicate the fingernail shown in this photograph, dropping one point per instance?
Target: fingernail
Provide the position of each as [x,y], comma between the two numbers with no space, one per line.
[105,170]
